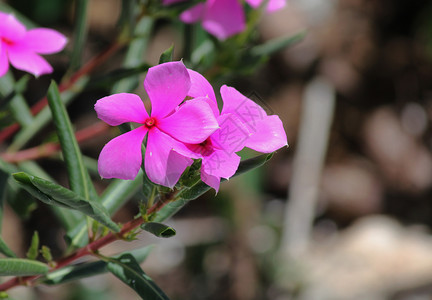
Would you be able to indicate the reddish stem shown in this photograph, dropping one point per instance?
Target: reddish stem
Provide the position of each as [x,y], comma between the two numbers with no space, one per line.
[48,149]
[89,249]
[86,69]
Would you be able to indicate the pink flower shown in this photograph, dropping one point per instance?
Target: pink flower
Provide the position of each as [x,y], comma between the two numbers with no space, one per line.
[167,127]
[242,123]
[22,47]
[222,18]
[272,5]
[217,152]
[266,133]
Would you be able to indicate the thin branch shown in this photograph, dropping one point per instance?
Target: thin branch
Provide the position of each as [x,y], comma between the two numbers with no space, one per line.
[49,149]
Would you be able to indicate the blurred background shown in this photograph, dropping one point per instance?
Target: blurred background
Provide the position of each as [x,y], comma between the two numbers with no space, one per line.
[343,213]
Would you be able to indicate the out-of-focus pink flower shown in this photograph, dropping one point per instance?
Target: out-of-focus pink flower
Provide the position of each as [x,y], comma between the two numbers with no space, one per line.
[242,122]
[22,47]
[168,127]
[222,18]
[272,5]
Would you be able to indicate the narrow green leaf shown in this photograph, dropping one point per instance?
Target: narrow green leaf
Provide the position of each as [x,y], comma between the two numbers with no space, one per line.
[79,179]
[277,44]
[3,181]
[54,194]
[26,134]
[159,229]
[167,55]
[33,251]
[84,270]
[200,188]
[80,33]
[18,105]
[127,269]
[115,195]
[21,267]
[4,249]
[67,217]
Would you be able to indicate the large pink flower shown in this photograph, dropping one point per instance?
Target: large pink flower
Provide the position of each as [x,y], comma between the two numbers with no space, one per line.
[22,47]
[242,122]
[168,127]
[222,18]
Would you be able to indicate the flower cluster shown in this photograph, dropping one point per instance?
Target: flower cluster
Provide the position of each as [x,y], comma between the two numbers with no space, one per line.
[21,47]
[222,18]
[180,130]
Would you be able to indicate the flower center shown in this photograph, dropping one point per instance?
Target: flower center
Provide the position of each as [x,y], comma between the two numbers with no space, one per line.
[7,41]
[150,122]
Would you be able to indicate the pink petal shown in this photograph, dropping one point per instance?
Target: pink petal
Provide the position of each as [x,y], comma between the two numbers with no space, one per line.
[200,87]
[224,18]
[193,14]
[269,137]
[221,164]
[30,62]
[210,180]
[162,165]
[167,86]
[272,5]
[232,134]
[4,64]
[44,41]
[245,109]
[122,157]
[120,108]
[192,123]
[11,28]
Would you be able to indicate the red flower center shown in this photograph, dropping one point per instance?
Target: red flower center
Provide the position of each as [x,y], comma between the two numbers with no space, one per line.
[150,122]
[7,41]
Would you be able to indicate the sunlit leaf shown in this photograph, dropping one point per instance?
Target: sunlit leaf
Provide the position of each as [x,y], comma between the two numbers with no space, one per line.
[21,267]
[33,251]
[79,178]
[167,55]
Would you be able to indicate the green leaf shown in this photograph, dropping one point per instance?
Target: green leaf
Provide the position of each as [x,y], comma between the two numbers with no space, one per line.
[44,116]
[167,55]
[18,105]
[80,33]
[84,270]
[159,229]
[200,188]
[115,195]
[54,194]
[4,177]
[277,44]
[33,251]
[127,269]
[79,179]
[21,267]
[46,253]
[135,53]
[4,249]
